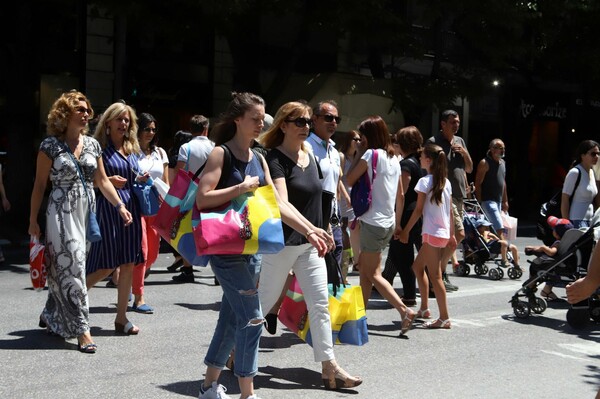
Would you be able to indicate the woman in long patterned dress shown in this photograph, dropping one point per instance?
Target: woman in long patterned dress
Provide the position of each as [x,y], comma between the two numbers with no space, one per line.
[121,246]
[66,312]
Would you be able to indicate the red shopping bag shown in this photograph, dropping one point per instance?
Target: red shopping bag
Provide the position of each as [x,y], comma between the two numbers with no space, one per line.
[37,267]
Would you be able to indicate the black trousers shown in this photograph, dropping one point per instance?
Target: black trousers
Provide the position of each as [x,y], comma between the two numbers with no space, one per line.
[401,257]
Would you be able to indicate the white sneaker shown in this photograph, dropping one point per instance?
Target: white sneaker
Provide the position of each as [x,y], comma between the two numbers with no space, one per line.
[216,391]
[253,397]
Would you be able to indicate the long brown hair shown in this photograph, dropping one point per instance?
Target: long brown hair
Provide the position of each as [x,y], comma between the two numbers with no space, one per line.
[439,170]
[225,129]
[377,134]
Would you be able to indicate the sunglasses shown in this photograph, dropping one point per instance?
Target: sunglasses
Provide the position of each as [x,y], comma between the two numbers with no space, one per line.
[357,139]
[595,154]
[300,122]
[82,110]
[331,118]
[150,129]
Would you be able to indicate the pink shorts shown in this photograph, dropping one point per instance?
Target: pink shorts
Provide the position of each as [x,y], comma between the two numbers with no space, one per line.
[435,241]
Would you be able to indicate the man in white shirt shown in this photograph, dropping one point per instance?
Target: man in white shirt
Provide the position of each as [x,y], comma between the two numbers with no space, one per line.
[325,120]
[192,155]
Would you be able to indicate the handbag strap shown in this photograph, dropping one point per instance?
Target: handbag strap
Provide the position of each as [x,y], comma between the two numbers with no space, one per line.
[79,173]
[374,164]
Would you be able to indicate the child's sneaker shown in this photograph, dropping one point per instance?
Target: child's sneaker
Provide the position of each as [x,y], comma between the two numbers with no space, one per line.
[216,391]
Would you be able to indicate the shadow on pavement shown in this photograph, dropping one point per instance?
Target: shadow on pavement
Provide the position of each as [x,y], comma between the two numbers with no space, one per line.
[35,340]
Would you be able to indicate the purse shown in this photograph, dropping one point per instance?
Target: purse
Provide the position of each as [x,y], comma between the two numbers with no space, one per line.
[360,195]
[147,197]
[37,264]
[248,224]
[346,311]
[173,222]
[92,233]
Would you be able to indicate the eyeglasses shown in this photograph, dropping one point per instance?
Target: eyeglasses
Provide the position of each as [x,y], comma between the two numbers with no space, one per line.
[150,129]
[357,139]
[82,110]
[595,154]
[331,118]
[300,122]
[498,148]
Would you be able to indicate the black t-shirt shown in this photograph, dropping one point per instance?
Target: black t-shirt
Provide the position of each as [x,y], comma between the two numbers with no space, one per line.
[304,189]
[412,166]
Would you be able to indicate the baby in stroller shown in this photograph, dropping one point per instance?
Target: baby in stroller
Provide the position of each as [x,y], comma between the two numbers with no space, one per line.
[545,254]
[495,244]
[481,244]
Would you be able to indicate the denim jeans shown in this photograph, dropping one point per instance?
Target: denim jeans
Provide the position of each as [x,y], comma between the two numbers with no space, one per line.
[492,211]
[311,273]
[240,306]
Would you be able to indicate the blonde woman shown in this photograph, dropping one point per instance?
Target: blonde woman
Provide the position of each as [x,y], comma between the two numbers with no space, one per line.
[63,155]
[121,245]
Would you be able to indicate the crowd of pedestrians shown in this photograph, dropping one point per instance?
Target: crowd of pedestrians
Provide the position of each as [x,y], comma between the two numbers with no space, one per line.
[416,204]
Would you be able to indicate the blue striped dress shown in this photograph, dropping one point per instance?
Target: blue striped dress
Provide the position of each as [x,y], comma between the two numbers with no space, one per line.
[120,244]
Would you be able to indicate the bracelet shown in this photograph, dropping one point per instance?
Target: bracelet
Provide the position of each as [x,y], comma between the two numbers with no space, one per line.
[308,233]
[119,204]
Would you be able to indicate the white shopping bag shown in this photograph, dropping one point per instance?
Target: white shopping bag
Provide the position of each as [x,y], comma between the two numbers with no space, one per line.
[510,224]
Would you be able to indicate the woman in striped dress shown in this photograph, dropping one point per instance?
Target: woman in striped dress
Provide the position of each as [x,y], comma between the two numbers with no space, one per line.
[121,245]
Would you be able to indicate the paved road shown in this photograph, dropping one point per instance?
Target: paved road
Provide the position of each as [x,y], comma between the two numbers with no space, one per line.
[487,354]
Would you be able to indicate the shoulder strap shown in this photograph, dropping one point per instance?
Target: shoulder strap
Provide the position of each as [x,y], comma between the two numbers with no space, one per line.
[577,181]
[374,163]
[226,169]
[80,174]
[187,160]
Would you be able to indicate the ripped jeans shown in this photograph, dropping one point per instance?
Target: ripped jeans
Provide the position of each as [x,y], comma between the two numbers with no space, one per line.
[240,318]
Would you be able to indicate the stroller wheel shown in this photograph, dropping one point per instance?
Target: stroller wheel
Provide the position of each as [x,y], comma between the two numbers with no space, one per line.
[480,269]
[578,318]
[463,269]
[514,273]
[494,275]
[538,306]
[521,310]
[500,273]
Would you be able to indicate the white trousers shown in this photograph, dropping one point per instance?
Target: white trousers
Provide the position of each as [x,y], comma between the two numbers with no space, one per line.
[311,272]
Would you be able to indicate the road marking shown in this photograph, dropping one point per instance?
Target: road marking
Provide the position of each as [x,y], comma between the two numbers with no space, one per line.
[587,348]
[565,356]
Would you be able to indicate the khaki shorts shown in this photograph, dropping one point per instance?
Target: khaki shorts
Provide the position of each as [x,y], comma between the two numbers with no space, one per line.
[458,212]
[374,238]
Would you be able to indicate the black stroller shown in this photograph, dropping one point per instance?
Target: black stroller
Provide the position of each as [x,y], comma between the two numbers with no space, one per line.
[477,252]
[569,264]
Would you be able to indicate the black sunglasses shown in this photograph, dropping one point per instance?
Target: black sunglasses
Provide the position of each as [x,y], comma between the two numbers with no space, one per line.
[82,110]
[300,122]
[331,118]
[150,129]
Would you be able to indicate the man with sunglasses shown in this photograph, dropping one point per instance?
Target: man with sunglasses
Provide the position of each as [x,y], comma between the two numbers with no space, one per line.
[192,155]
[459,162]
[325,120]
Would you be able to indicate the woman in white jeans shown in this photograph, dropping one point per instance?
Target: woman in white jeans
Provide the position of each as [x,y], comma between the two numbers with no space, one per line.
[296,177]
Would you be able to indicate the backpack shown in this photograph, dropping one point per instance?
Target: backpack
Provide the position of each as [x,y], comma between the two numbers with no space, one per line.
[552,208]
[361,193]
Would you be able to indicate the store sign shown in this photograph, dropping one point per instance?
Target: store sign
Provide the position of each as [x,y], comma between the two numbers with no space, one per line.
[555,111]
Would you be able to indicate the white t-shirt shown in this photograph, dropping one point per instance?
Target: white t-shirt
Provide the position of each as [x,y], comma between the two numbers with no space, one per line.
[383,190]
[154,163]
[195,152]
[436,218]
[582,205]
